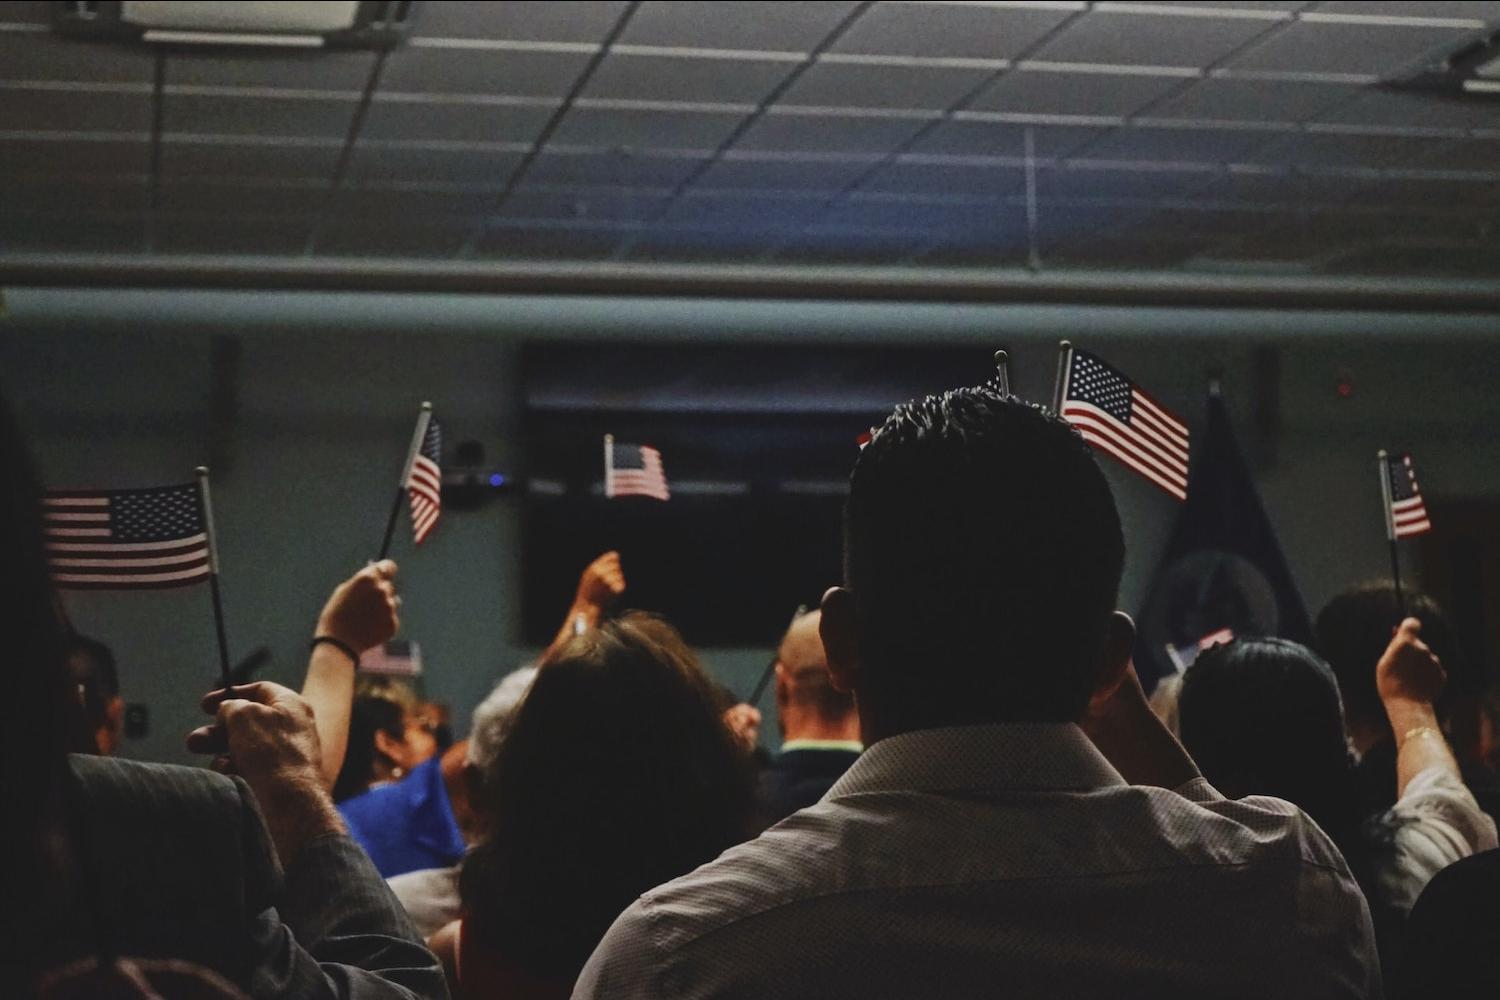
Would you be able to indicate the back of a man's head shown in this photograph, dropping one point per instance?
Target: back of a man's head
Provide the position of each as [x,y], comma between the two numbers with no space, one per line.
[1353,630]
[805,688]
[984,552]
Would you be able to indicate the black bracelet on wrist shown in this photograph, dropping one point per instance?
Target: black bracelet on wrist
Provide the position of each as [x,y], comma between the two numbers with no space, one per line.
[338,644]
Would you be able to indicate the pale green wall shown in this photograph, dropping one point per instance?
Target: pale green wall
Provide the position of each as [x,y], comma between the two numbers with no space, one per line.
[114,389]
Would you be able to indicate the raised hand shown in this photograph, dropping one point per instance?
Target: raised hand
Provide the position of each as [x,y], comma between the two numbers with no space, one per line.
[362,611]
[1408,670]
[602,583]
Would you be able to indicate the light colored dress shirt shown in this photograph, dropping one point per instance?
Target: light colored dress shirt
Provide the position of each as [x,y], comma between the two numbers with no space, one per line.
[1436,823]
[1003,861]
[429,896]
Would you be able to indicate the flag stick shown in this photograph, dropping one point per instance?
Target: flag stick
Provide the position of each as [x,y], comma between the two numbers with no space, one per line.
[424,417]
[206,506]
[765,676]
[609,465]
[1064,362]
[1002,371]
[1390,528]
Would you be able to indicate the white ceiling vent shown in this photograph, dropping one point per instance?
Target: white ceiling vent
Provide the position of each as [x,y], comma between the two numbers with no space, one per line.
[365,24]
[1472,71]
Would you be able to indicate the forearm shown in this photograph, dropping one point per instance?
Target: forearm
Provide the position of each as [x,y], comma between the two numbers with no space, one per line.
[580,618]
[1419,741]
[329,688]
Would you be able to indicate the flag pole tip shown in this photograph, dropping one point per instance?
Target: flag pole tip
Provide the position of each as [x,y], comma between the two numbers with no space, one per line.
[1382,453]
[1065,344]
[1001,357]
[201,472]
[427,406]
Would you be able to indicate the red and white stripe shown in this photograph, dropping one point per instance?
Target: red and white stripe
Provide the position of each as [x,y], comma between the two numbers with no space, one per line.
[650,481]
[425,485]
[1154,443]
[82,553]
[1409,517]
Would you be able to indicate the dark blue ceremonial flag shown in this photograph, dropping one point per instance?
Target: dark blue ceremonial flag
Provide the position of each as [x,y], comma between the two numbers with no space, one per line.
[1222,574]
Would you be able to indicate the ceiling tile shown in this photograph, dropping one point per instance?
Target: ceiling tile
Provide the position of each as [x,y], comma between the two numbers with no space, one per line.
[1321,47]
[980,138]
[28,12]
[37,156]
[72,111]
[654,78]
[824,175]
[827,134]
[978,31]
[194,114]
[411,201]
[248,159]
[645,129]
[859,86]
[76,233]
[584,206]
[1384,107]
[1178,145]
[764,26]
[620,167]
[1464,154]
[193,196]
[1335,150]
[1218,99]
[923,215]
[311,70]
[1075,181]
[851,247]
[1484,10]
[258,237]
[1149,39]
[743,212]
[1072,93]
[412,121]
[1444,195]
[578,21]
[373,163]
[514,241]
[378,238]
[906,174]
[467,71]
[698,246]
[51,192]
[29,55]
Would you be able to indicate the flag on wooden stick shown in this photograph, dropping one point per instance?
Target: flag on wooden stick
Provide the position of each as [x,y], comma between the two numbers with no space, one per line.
[633,470]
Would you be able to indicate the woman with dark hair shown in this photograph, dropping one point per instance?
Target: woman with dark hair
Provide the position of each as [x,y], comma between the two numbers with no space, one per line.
[618,774]
[1264,717]
[386,741]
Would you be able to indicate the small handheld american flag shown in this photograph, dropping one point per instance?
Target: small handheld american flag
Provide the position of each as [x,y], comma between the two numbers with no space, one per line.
[1405,513]
[424,481]
[633,470]
[1115,415]
[126,539]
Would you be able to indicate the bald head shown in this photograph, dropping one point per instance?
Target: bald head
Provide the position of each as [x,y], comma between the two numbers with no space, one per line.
[804,692]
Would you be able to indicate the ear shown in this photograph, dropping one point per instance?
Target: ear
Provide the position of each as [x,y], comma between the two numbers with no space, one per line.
[783,686]
[1119,644]
[839,630]
[390,747]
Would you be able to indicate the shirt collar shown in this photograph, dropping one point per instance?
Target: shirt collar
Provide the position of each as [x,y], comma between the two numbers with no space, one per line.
[851,746]
[1020,756]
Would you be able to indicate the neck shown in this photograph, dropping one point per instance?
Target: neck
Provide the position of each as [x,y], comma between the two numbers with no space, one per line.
[1364,733]
[845,730]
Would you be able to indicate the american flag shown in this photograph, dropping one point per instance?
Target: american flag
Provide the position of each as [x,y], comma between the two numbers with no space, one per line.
[425,482]
[120,539]
[1408,514]
[633,470]
[1114,414]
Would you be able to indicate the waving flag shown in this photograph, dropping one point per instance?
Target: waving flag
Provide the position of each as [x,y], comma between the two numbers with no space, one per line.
[424,481]
[1116,416]
[122,539]
[1406,514]
[633,470]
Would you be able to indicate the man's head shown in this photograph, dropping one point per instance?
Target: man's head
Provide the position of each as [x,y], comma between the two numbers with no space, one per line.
[492,720]
[982,559]
[96,683]
[1353,631]
[808,704]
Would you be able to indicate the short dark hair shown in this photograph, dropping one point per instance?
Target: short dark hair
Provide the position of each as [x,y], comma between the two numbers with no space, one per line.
[1354,629]
[368,715]
[617,774]
[984,552]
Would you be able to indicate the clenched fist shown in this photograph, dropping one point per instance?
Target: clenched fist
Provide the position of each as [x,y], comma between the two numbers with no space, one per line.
[362,611]
[1408,670]
[602,583]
